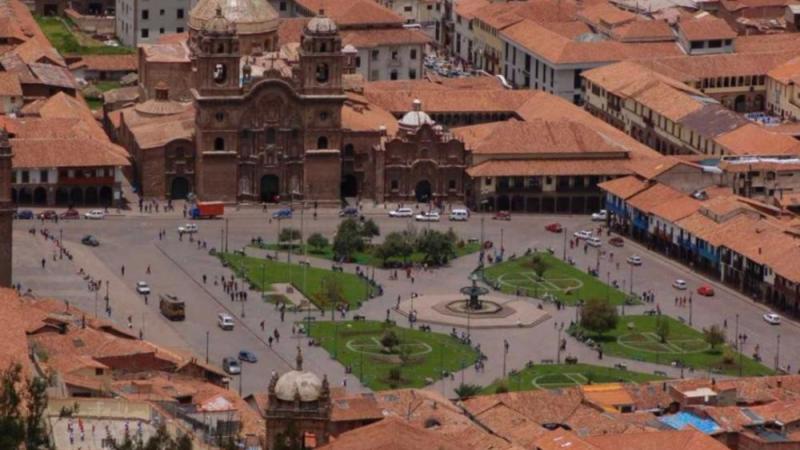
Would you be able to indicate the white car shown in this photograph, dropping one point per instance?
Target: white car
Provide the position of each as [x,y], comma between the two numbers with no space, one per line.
[401,212]
[427,217]
[583,234]
[679,284]
[459,215]
[772,318]
[594,241]
[142,288]
[188,228]
[96,214]
[225,321]
[600,215]
[635,260]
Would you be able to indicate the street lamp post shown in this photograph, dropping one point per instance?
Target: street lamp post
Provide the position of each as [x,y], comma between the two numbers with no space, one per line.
[778,353]
[564,254]
[107,297]
[505,353]
[631,286]
[241,378]
[690,309]
[738,346]
[207,335]
[95,303]
[558,348]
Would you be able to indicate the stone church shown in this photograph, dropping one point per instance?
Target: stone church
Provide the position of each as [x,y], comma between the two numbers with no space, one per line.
[275,124]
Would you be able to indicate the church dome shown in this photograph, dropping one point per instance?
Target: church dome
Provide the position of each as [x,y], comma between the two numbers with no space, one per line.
[416,117]
[321,24]
[306,384]
[247,16]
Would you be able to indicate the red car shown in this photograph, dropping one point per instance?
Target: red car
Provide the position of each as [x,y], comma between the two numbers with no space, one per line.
[616,241]
[47,215]
[502,215]
[706,291]
[554,228]
[70,214]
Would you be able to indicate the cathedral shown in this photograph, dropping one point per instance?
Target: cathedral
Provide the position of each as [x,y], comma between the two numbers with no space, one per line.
[253,122]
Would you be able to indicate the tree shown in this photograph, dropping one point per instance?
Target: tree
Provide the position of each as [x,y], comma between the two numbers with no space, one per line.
[598,315]
[390,340]
[317,242]
[348,240]
[289,235]
[18,396]
[161,440]
[394,245]
[369,229]
[464,391]
[662,328]
[437,247]
[539,266]
[332,291]
[714,336]
[35,405]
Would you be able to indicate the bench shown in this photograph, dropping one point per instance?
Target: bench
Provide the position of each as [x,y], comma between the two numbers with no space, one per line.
[620,366]
[359,317]
[660,373]
[547,361]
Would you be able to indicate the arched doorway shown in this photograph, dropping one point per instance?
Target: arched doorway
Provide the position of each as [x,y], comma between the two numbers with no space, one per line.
[40,196]
[24,196]
[76,196]
[269,188]
[13,195]
[349,187]
[740,104]
[90,197]
[179,189]
[423,191]
[106,196]
[62,196]
[502,203]
[758,103]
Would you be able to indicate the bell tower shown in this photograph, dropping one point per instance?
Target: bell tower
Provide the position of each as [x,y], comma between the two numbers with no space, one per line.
[6,210]
[321,57]
[215,56]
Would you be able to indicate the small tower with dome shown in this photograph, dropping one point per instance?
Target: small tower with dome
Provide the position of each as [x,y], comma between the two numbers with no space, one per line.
[321,59]
[299,407]
[215,55]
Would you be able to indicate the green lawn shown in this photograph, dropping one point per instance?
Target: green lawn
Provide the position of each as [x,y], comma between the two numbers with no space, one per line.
[551,376]
[354,288]
[357,344]
[635,338]
[366,257]
[67,42]
[106,86]
[563,281]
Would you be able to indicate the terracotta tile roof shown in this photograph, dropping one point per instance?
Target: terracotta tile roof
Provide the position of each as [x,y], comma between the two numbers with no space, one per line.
[735,5]
[511,425]
[653,196]
[537,137]
[542,406]
[38,50]
[684,440]
[760,43]
[51,128]
[554,167]
[437,100]
[787,72]
[44,153]
[62,106]
[9,85]
[369,38]
[112,63]
[356,407]
[391,433]
[788,413]
[643,31]
[161,130]
[290,29]
[675,209]
[361,116]
[562,439]
[606,15]
[752,139]
[569,29]
[12,333]
[174,38]
[467,8]
[588,421]
[353,12]
[705,28]
[175,52]
[608,396]
[623,187]
[52,75]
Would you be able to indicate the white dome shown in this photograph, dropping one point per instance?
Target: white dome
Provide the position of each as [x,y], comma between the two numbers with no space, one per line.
[306,383]
[321,25]
[416,117]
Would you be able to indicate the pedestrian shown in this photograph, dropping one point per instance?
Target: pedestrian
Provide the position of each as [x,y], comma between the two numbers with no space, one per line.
[277,335]
[262,325]
[204,278]
[44,261]
[725,323]
[283,312]
[122,270]
[148,269]
[269,341]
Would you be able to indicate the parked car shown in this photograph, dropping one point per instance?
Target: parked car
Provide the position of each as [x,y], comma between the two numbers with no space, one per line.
[431,216]
[95,214]
[401,212]
[582,234]
[24,214]
[679,284]
[772,318]
[189,228]
[502,215]
[283,213]
[600,216]
[706,290]
[231,365]
[616,241]
[70,214]
[635,260]
[48,215]
[225,321]
[554,228]
[248,356]
[142,288]
[459,215]
[594,241]
[350,211]
[90,240]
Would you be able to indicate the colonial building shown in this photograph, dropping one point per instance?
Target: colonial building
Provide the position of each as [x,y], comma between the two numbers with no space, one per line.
[6,211]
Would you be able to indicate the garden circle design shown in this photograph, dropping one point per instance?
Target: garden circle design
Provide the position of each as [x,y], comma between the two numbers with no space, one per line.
[529,280]
[650,342]
[556,380]
[373,346]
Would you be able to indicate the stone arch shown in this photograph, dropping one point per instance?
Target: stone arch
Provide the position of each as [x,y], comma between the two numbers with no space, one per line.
[503,203]
[423,191]
[322,73]
[24,196]
[270,188]
[517,203]
[219,144]
[179,189]
[90,196]
[220,74]
[349,151]
[13,195]
[349,186]
[322,142]
[740,103]
[62,196]
[76,196]
[40,196]
[106,196]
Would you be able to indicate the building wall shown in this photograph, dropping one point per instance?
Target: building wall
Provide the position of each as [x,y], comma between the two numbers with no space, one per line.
[783,100]
[143,21]
[401,62]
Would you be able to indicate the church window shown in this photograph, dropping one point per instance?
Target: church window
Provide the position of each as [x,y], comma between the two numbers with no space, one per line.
[220,73]
[270,136]
[451,185]
[323,47]
[324,115]
[219,144]
[322,73]
[349,151]
[322,142]
[220,116]
[395,185]
[220,48]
